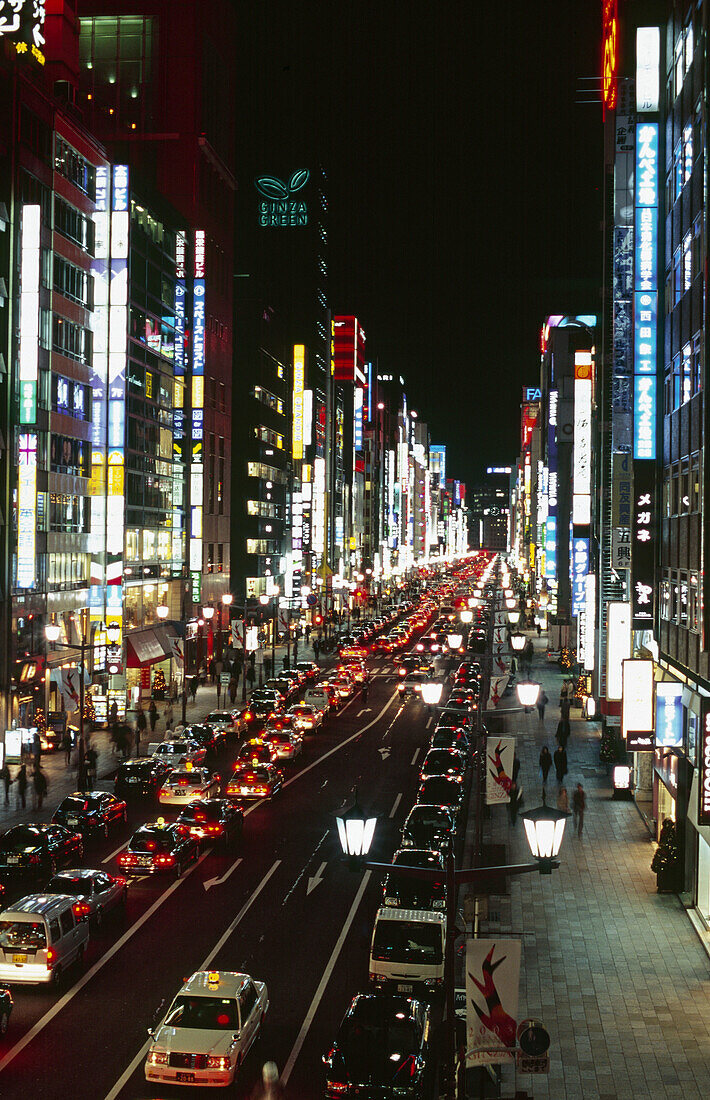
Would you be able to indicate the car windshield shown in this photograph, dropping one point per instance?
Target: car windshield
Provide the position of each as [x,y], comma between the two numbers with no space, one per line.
[184,779]
[302,712]
[201,811]
[61,884]
[279,738]
[21,840]
[74,805]
[408,942]
[26,935]
[255,775]
[429,817]
[149,842]
[377,1050]
[210,1013]
[219,716]
[140,770]
[440,789]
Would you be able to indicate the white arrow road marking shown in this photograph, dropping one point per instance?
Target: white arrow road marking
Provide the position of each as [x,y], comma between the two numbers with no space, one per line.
[397,801]
[210,882]
[384,753]
[290,1063]
[315,880]
[131,1069]
[414,758]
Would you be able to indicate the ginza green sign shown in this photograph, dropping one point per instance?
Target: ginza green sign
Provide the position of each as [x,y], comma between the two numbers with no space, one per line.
[278,207]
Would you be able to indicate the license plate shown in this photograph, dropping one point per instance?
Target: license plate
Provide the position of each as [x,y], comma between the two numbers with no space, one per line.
[19,959]
[72,821]
[145,861]
[13,859]
[244,790]
[404,988]
[187,1078]
[133,779]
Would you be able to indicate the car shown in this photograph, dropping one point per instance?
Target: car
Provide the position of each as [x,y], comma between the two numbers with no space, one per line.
[259,711]
[185,784]
[279,690]
[256,751]
[287,686]
[206,735]
[6,1003]
[443,762]
[309,668]
[34,852]
[343,686]
[403,892]
[381,1049]
[222,720]
[96,891]
[258,781]
[159,848]
[213,820]
[442,790]
[206,1033]
[279,723]
[141,777]
[412,684]
[287,743]
[91,813]
[336,700]
[174,753]
[455,717]
[429,826]
[306,717]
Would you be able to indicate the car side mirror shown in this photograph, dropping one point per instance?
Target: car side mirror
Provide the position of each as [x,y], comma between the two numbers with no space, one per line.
[151,1032]
[158,1012]
[236,1036]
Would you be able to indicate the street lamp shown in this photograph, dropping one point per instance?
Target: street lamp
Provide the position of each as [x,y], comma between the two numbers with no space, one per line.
[514,617]
[544,829]
[510,602]
[162,611]
[454,640]
[517,642]
[431,692]
[466,615]
[208,612]
[528,692]
[356,832]
[51,633]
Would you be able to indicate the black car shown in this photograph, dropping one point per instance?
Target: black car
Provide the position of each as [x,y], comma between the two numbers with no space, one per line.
[310,668]
[429,827]
[442,790]
[260,710]
[206,736]
[450,737]
[35,852]
[140,778]
[443,762]
[381,1049]
[5,1009]
[94,812]
[454,717]
[402,892]
[158,848]
[213,820]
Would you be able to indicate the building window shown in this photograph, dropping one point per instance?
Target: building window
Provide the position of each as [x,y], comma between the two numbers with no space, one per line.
[70,456]
[687,373]
[687,152]
[687,261]
[71,398]
[72,282]
[73,167]
[73,225]
[71,340]
[677,277]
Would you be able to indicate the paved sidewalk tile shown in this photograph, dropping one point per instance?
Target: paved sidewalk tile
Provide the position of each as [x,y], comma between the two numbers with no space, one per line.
[614,969]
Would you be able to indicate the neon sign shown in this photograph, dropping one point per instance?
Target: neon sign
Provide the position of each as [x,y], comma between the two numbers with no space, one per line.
[646,290]
[29,312]
[26,510]
[609,54]
[278,208]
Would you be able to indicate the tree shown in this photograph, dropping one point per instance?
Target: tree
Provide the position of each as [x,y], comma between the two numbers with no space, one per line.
[159,684]
[40,720]
[607,746]
[89,711]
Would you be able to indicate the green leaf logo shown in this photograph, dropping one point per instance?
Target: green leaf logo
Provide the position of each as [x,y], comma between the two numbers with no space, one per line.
[271,188]
[298,180]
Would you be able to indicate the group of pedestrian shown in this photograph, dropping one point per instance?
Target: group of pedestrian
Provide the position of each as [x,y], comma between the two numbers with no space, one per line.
[22,781]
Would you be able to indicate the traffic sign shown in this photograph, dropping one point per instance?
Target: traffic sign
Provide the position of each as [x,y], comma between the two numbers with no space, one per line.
[311,600]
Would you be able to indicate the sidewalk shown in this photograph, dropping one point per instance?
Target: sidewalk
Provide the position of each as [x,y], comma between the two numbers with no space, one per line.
[614,970]
[62,779]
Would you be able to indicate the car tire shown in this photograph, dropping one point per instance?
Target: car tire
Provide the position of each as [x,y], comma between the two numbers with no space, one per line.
[98,918]
[105,830]
[4,1022]
[80,959]
[178,869]
[57,977]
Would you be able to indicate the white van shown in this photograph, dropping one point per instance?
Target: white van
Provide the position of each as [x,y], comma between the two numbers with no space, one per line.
[407,951]
[317,697]
[40,936]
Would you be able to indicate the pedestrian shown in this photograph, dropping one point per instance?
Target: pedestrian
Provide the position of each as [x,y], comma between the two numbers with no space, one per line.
[66,748]
[213,670]
[36,749]
[270,1087]
[542,702]
[194,684]
[141,721]
[308,633]
[138,740]
[39,782]
[545,765]
[91,763]
[513,665]
[579,802]
[316,648]
[232,690]
[113,712]
[22,787]
[295,650]
[168,716]
[365,690]
[515,796]
[564,706]
[153,715]
[563,732]
[563,801]
[7,780]
[560,759]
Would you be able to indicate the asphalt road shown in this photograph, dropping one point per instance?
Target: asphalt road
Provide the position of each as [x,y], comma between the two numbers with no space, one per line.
[283,907]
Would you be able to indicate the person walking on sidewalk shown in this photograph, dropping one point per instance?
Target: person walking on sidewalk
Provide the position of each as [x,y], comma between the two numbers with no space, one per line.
[168,716]
[579,802]
[153,715]
[563,732]
[39,783]
[141,722]
[66,747]
[22,787]
[560,759]
[7,780]
[92,758]
[545,765]
[515,796]
[316,648]
[542,702]
[563,801]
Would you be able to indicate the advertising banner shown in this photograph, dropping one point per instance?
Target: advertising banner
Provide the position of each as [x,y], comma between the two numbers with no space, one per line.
[492,981]
[637,705]
[68,684]
[177,647]
[704,784]
[618,646]
[500,752]
[669,715]
[497,687]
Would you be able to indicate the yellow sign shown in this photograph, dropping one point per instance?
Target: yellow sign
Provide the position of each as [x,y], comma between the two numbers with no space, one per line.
[299,358]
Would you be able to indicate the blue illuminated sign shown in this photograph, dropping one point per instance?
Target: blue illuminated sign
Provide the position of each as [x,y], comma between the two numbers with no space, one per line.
[580,568]
[120,187]
[198,327]
[669,714]
[646,289]
[551,548]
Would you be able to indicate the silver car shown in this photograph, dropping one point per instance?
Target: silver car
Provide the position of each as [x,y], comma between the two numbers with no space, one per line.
[97,890]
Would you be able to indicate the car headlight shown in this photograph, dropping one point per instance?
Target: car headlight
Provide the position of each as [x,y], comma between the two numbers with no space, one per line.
[219,1063]
[158,1058]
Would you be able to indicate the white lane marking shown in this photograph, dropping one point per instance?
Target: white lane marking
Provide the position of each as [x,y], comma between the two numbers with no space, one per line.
[429,722]
[315,880]
[414,758]
[397,801]
[386,734]
[98,965]
[210,882]
[305,1026]
[114,854]
[131,1069]
[325,836]
[360,712]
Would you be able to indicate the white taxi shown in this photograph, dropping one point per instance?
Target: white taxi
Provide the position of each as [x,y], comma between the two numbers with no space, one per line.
[208,1029]
[175,753]
[305,716]
[185,784]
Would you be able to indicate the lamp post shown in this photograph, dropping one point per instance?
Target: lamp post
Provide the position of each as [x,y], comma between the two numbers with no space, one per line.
[544,830]
[431,693]
[513,617]
[517,642]
[226,603]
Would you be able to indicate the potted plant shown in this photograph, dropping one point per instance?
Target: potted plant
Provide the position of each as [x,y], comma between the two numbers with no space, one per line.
[666,859]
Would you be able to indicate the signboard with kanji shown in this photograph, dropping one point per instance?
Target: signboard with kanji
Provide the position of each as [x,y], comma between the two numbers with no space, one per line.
[643,547]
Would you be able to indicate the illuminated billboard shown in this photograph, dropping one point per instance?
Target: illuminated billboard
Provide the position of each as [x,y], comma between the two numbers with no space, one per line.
[22,23]
[646,289]
[582,468]
[669,714]
[29,313]
[618,646]
[648,71]
[26,510]
[299,366]
[637,726]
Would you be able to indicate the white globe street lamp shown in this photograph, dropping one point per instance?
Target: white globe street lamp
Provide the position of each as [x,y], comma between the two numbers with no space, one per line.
[356,832]
[528,692]
[431,692]
[514,617]
[454,641]
[544,829]
[52,632]
[517,642]
[162,611]
[207,612]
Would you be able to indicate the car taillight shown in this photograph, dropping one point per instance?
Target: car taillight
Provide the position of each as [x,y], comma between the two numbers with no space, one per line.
[127,859]
[81,909]
[51,956]
[337,1086]
[212,830]
[164,860]
[248,717]
[34,858]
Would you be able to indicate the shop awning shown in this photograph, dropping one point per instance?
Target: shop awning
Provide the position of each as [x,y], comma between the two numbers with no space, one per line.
[143,648]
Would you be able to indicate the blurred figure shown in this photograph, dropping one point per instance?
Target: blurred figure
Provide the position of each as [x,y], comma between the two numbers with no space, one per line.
[270,1087]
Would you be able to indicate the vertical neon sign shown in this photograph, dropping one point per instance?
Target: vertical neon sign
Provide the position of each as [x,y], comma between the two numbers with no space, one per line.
[198,402]
[26,510]
[117,350]
[29,312]
[646,290]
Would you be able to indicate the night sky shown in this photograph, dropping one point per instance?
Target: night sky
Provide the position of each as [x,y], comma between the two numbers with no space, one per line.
[465,184]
